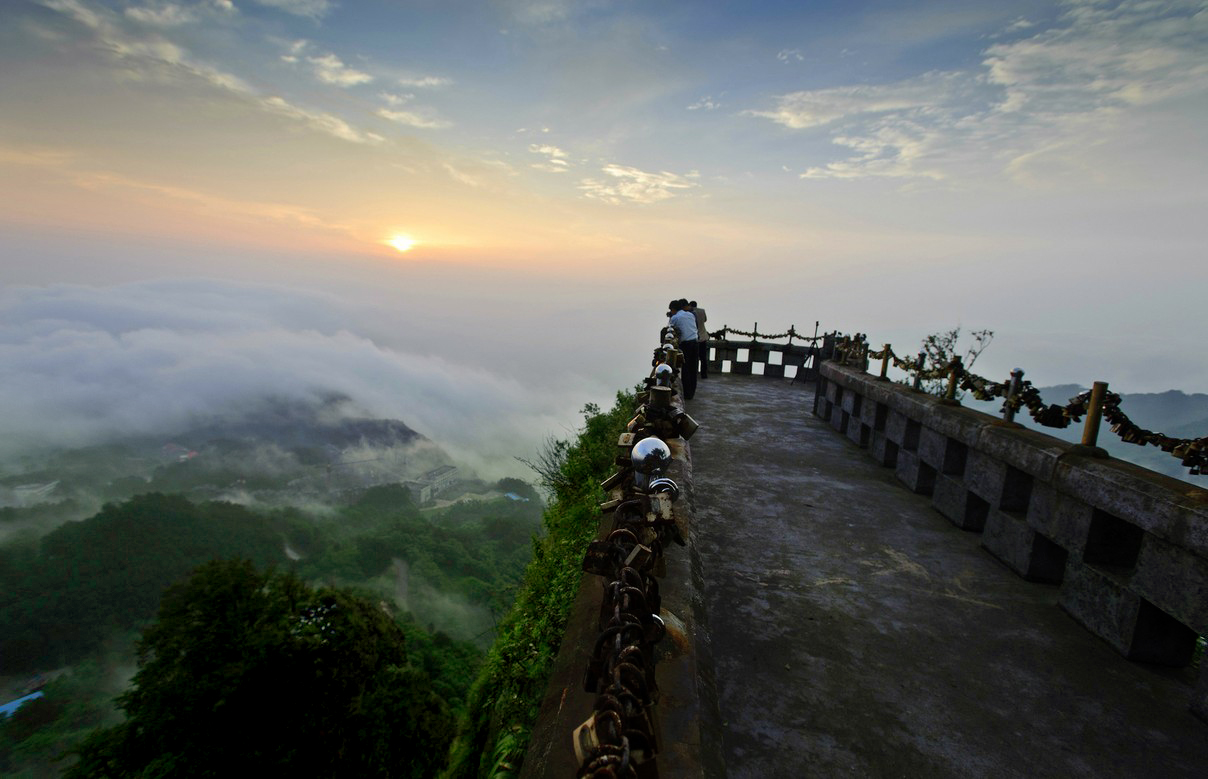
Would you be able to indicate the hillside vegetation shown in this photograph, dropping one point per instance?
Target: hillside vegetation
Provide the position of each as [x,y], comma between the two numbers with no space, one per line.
[504,701]
[76,598]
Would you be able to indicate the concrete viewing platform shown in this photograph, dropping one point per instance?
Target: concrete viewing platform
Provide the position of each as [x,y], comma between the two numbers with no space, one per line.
[855,631]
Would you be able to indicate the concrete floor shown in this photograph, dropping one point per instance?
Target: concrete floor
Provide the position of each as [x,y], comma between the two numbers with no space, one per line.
[856,632]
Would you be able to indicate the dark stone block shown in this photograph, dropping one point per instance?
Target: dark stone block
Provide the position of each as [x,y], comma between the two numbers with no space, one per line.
[891,454]
[949,498]
[1160,638]
[956,454]
[906,467]
[1100,604]
[1199,699]
[1016,491]
[895,427]
[1112,543]
[1027,450]
[882,414]
[915,473]
[1175,580]
[876,446]
[1134,627]
[1062,518]
[976,513]
[1022,549]
[859,433]
[931,448]
[985,476]
[910,439]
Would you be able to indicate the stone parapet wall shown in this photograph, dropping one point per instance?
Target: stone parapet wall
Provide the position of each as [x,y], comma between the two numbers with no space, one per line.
[686,718]
[745,358]
[1128,547]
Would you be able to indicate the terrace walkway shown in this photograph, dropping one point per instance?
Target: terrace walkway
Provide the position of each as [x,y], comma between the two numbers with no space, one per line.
[856,632]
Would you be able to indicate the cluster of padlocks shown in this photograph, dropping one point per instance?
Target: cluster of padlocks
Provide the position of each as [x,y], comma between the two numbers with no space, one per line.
[620,738]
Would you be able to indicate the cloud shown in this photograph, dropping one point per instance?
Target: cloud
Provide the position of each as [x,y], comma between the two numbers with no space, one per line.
[81,365]
[631,185]
[1043,99]
[814,108]
[555,159]
[707,103]
[479,173]
[330,70]
[414,119]
[424,82]
[311,9]
[156,57]
[321,121]
[790,55]
[163,14]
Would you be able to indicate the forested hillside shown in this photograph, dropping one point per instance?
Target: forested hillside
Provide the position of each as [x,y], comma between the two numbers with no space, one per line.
[72,601]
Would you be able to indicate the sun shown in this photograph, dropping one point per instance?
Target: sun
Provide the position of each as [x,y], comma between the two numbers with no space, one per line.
[401,242]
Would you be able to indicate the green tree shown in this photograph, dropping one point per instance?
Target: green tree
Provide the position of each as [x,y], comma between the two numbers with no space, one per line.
[258,673]
[940,348]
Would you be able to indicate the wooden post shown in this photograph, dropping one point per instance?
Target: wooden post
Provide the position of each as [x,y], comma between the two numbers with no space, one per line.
[954,377]
[1013,385]
[918,374]
[885,363]
[1094,412]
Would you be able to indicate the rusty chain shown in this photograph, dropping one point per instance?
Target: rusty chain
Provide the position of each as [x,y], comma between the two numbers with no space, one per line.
[1192,452]
[619,738]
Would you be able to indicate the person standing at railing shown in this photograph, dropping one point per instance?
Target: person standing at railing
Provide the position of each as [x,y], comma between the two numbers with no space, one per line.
[702,337]
[684,322]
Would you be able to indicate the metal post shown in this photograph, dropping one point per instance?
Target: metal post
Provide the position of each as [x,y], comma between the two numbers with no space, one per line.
[1013,385]
[954,373]
[918,374]
[885,363]
[1094,412]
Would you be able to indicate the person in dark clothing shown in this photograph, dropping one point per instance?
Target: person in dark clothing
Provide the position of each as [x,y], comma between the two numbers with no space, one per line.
[702,337]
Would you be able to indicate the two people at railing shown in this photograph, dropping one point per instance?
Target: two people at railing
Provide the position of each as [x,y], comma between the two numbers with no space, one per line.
[689,326]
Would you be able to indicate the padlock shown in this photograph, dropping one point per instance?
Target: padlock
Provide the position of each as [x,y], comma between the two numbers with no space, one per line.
[599,559]
[660,508]
[586,740]
[685,426]
[611,505]
[616,480]
[639,557]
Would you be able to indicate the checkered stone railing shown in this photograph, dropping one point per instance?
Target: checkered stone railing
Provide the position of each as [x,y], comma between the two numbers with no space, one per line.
[1128,547]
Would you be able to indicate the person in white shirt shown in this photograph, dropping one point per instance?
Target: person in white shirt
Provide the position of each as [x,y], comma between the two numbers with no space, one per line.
[684,322]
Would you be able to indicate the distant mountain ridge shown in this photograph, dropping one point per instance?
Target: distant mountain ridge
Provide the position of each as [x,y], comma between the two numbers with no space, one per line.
[275,445]
[291,423]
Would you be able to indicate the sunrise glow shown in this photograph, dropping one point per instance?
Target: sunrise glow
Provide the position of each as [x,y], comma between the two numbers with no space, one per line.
[401,242]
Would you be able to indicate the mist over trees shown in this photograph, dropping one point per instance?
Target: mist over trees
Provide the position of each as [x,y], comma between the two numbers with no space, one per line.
[73,598]
[260,671]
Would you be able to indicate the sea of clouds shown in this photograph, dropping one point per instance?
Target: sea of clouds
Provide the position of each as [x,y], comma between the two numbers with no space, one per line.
[80,365]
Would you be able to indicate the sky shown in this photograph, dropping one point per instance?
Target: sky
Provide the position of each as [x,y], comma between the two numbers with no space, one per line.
[204,200]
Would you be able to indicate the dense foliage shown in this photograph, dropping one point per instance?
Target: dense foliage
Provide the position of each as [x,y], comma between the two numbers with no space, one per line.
[60,600]
[260,671]
[506,697]
[79,594]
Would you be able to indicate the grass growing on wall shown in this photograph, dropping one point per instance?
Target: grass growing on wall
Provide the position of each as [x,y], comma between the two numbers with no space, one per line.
[504,701]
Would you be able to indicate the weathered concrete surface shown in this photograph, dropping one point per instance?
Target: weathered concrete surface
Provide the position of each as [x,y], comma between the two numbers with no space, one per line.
[856,632]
